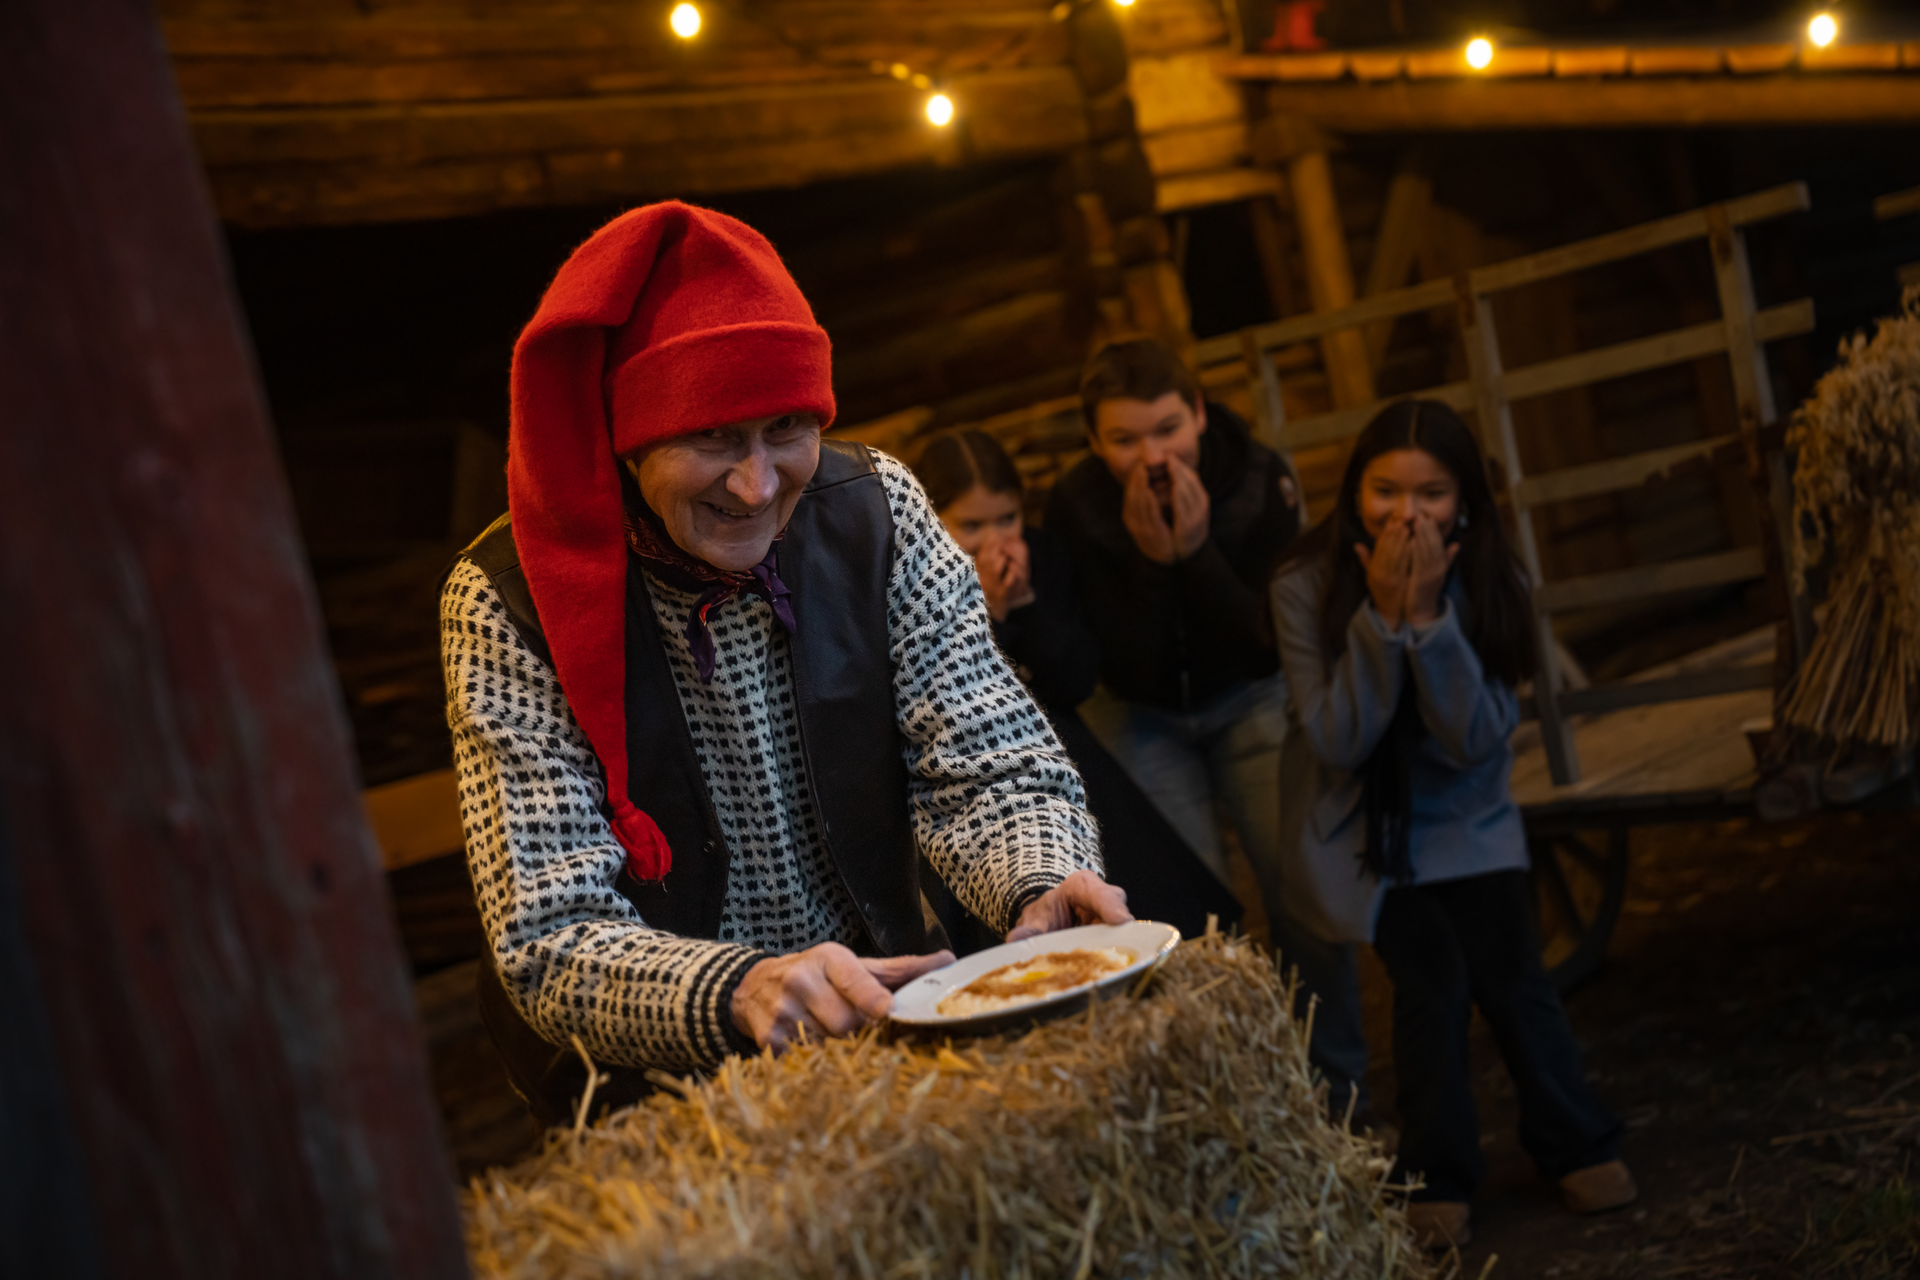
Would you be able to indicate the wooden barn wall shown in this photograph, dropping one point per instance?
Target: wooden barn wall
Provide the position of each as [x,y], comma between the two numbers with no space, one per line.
[344,111]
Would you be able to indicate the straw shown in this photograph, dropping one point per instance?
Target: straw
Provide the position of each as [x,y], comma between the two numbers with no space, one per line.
[1179,1133]
[1857,516]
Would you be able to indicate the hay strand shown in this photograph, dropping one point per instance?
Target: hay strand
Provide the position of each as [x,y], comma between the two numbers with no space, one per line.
[1179,1133]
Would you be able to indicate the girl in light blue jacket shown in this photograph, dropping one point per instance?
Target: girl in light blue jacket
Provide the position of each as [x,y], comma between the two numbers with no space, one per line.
[1404,627]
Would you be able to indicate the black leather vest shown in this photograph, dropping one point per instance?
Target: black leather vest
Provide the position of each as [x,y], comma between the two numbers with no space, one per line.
[835,559]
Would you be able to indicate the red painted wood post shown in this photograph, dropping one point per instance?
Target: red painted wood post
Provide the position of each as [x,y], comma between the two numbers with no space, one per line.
[209,1064]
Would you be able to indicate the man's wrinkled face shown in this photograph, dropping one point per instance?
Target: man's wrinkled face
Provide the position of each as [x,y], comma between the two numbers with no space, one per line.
[724,493]
[1131,433]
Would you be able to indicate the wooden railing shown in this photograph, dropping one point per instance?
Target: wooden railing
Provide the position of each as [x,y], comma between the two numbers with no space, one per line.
[1490,390]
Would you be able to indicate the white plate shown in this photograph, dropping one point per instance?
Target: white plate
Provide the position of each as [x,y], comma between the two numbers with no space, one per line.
[918,1003]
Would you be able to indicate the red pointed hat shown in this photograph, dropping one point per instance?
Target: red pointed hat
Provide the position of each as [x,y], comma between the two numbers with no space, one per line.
[670,320]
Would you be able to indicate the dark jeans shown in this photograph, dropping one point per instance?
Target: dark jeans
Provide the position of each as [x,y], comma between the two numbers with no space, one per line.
[1450,947]
[1228,750]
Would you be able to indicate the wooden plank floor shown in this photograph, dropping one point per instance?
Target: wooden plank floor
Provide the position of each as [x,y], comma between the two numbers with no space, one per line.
[1677,755]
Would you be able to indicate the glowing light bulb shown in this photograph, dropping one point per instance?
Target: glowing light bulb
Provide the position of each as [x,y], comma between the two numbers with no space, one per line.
[900,71]
[1124,4]
[685,21]
[940,109]
[1479,53]
[1823,29]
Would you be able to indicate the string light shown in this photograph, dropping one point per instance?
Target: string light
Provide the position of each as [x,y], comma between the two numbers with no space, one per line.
[1479,53]
[1124,4]
[940,109]
[1823,29]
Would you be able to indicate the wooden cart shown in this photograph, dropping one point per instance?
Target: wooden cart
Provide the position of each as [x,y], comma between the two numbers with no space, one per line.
[1675,761]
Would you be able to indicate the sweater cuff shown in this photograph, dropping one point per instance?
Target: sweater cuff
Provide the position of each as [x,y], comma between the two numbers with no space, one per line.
[1378,625]
[729,1039]
[1418,635]
[1025,892]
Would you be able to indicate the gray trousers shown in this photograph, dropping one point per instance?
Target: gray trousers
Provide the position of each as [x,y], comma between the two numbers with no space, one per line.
[1225,755]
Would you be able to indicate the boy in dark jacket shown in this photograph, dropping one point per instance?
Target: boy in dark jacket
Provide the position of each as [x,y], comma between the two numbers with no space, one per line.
[1174,525]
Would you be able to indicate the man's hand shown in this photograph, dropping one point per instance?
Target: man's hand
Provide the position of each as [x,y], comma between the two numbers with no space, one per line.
[822,991]
[1082,898]
[1006,576]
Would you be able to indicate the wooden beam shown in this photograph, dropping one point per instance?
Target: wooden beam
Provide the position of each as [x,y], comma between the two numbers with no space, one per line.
[1676,346]
[1182,92]
[1323,244]
[184,869]
[1197,190]
[416,819]
[1431,106]
[1622,694]
[1753,395]
[346,164]
[340,58]
[671,128]
[1176,26]
[1588,479]
[1197,150]
[1397,242]
[1897,204]
[1341,424]
[1741,565]
[1271,232]
[1494,412]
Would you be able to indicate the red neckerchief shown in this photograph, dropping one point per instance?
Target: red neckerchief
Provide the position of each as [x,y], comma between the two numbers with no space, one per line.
[713,587]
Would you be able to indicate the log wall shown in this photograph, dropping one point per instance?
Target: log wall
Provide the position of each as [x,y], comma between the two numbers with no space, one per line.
[1193,120]
[345,112]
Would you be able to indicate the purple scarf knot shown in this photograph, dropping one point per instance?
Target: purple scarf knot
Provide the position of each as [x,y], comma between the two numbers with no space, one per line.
[714,587]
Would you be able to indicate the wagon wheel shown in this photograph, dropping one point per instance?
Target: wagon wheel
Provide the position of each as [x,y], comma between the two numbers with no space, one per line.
[1578,890]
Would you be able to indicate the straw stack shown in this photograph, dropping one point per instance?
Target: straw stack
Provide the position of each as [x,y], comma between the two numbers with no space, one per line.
[1175,1133]
[1857,517]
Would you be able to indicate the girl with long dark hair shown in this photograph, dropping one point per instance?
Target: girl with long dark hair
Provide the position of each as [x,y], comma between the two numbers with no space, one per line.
[1027,577]
[1404,626]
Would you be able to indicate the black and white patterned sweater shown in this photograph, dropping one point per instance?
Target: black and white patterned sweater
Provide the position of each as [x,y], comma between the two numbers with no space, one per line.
[996,805]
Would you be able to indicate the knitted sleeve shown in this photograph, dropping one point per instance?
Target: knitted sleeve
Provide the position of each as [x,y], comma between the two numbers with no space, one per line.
[998,808]
[573,953]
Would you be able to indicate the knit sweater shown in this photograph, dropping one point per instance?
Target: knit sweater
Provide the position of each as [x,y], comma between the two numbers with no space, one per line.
[996,805]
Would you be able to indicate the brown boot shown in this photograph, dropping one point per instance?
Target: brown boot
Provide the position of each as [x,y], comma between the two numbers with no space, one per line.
[1598,1188]
[1439,1224]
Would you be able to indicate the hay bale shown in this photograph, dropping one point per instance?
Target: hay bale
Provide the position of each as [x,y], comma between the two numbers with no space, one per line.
[1174,1134]
[1856,513]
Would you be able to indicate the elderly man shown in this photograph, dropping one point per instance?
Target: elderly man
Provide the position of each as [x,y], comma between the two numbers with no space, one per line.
[717,687]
